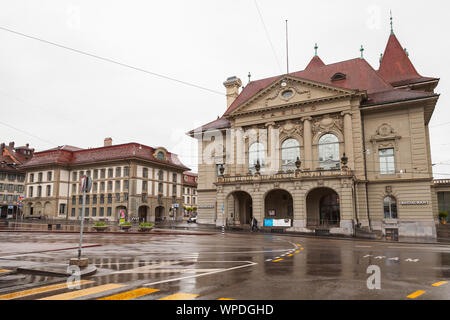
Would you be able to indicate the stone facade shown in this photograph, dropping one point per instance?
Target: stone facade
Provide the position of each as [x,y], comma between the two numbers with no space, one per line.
[374,171]
[143,186]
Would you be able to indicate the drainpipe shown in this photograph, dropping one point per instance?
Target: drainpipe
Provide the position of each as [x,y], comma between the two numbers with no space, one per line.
[365,170]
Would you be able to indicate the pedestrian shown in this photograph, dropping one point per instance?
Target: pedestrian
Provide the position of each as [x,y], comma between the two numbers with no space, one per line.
[254,224]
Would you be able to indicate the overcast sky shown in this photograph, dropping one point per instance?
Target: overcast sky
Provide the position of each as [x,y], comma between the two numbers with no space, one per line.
[55,96]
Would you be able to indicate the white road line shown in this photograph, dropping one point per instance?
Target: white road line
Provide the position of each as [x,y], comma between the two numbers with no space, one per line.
[357,246]
[249,264]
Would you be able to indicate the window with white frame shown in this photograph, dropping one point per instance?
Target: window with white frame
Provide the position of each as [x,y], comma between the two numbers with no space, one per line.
[290,151]
[328,152]
[387,161]
[256,153]
[390,207]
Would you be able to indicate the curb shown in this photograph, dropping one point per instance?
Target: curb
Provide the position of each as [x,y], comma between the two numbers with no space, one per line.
[114,232]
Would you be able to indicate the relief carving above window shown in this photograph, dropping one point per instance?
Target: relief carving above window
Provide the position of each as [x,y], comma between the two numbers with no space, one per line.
[385,132]
[327,123]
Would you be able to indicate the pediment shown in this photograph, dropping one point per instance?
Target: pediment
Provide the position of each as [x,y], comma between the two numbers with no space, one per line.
[290,91]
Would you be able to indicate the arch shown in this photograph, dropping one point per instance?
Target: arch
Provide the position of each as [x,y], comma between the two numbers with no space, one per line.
[256,151]
[238,208]
[159,213]
[278,204]
[323,208]
[290,151]
[30,208]
[118,213]
[390,207]
[48,209]
[143,213]
[38,209]
[329,151]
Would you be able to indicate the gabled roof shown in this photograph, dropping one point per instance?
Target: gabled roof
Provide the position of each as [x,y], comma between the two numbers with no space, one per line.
[69,156]
[359,76]
[315,62]
[396,67]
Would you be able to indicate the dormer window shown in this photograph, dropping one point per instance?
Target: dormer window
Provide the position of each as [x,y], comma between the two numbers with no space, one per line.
[338,76]
[160,155]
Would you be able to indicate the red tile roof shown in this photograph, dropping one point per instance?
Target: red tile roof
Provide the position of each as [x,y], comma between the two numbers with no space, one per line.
[189,178]
[396,67]
[70,156]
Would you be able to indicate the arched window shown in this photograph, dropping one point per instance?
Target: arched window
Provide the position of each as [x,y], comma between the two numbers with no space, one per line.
[160,175]
[390,207]
[160,155]
[290,151]
[256,152]
[328,152]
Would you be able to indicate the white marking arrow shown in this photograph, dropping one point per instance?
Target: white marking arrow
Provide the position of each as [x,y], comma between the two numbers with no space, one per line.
[411,260]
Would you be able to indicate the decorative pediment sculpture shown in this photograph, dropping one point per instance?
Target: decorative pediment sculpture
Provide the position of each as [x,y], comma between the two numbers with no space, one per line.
[327,123]
[385,132]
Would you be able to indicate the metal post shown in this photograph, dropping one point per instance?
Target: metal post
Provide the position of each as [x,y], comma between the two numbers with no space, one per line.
[223,219]
[82,224]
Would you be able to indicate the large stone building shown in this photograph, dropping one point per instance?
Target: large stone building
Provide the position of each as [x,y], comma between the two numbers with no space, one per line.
[140,181]
[12,179]
[325,149]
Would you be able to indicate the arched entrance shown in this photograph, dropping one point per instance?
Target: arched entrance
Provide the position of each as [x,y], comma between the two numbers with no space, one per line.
[37,209]
[278,204]
[119,211]
[159,213]
[239,208]
[142,211]
[48,209]
[323,208]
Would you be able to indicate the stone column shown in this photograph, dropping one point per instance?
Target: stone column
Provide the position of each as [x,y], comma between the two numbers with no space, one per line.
[307,143]
[348,137]
[272,146]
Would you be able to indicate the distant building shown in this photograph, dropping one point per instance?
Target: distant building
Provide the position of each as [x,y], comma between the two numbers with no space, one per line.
[190,181]
[134,179]
[12,179]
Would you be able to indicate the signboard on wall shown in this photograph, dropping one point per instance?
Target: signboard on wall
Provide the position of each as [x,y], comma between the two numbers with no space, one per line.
[277,222]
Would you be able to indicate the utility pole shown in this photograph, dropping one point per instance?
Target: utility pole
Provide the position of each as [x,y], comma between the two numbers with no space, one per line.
[86,183]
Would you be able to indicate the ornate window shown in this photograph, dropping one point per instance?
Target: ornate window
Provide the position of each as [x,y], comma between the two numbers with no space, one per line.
[390,207]
[256,153]
[387,161]
[290,151]
[329,152]
[160,155]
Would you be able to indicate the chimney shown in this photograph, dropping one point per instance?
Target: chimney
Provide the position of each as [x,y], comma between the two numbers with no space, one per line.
[108,142]
[232,84]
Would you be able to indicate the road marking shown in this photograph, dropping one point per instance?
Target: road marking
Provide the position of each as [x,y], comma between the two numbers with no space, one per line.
[225,299]
[249,264]
[297,251]
[290,255]
[411,260]
[440,283]
[277,260]
[84,292]
[416,294]
[358,246]
[29,292]
[180,296]
[128,295]
[4,270]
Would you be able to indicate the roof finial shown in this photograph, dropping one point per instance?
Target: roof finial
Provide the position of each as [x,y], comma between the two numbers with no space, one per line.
[315,50]
[381,57]
[249,76]
[362,52]
[392,24]
[406,51]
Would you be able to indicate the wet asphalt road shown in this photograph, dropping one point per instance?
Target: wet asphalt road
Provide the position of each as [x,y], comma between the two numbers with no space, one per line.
[241,266]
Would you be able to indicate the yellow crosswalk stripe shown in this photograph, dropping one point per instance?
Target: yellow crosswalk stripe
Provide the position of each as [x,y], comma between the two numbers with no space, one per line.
[130,294]
[440,283]
[416,294]
[84,292]
[29,292]
[297,251]
[4,270]
[290,255]
[225,299]
[277,260]
[180,296]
